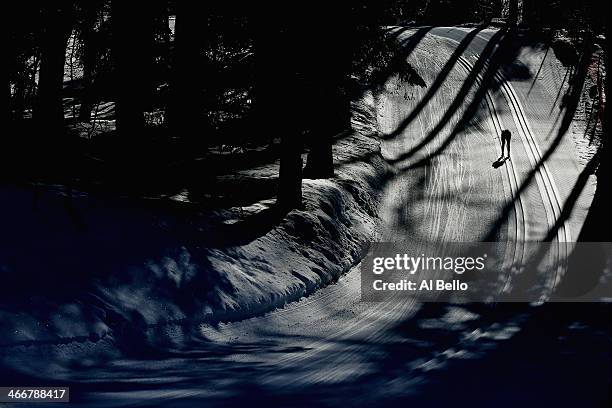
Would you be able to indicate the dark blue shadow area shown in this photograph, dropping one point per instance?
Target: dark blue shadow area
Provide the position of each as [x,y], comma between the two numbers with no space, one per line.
[502,355]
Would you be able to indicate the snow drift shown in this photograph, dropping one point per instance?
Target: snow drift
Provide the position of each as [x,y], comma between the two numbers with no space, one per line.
[89,268]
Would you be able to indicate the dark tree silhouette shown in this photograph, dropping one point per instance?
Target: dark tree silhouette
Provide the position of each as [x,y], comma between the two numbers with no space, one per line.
[132,48]
[23,27]
[430,8]
[279,90]
[512,10]
[185,111]
[57,25]
[290,173]
[287,82]
[89,38]
[327,64]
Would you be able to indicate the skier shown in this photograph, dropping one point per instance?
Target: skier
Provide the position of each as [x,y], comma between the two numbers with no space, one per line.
[505,141]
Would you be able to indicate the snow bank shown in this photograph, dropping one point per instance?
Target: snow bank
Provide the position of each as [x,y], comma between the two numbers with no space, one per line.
[90,269]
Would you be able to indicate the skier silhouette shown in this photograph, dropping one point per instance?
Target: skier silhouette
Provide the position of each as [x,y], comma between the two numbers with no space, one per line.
[505,141]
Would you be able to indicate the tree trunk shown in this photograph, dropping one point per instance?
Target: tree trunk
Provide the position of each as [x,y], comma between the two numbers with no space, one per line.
[513,11]
[266,34]
[90,54]
[429,11]
[185,112]
[279,96]
[132,49]
[290,173]
[328,61]
[48,109]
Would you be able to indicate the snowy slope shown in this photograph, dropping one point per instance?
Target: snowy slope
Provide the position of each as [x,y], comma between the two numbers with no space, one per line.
[110,266]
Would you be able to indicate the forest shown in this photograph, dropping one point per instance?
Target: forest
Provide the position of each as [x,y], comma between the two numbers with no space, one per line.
[139,98]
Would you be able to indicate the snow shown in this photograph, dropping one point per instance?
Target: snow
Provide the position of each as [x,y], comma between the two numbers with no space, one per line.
[112,267]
